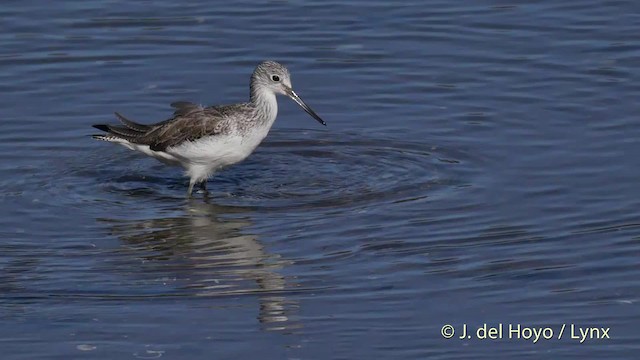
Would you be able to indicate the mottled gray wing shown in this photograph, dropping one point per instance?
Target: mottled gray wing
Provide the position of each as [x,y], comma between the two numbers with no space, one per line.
[184,107]
[190,122]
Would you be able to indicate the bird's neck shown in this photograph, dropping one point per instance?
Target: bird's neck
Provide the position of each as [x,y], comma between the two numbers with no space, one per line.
[264,105]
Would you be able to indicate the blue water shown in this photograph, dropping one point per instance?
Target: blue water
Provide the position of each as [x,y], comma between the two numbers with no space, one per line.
[480,166]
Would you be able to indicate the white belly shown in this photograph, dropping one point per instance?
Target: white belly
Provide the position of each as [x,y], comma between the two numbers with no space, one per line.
[221,150]
[203,157]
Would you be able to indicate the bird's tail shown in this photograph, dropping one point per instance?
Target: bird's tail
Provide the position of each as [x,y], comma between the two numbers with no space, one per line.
[107,137]
[130,132]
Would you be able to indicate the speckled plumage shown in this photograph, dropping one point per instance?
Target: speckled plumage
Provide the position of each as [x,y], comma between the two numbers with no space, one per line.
[204,140]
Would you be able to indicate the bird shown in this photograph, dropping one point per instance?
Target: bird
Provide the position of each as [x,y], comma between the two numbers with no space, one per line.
[204,140]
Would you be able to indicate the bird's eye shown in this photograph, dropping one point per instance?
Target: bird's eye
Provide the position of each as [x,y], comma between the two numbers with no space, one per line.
[275,78]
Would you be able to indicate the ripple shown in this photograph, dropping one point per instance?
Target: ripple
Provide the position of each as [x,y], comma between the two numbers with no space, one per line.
[293,169]
[313,169]
[306,170]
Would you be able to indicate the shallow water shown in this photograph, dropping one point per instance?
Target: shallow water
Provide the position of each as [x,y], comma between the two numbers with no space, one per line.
[480,166]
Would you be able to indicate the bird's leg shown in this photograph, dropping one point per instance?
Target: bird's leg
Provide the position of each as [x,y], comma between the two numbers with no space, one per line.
[203,186]
[190,190]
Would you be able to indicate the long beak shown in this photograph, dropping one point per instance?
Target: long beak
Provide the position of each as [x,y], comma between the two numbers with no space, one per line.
[302,104]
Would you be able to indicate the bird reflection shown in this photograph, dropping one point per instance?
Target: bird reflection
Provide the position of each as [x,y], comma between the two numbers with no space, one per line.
[204,243]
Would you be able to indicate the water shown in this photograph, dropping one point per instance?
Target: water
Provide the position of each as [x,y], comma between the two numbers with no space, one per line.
[480,166]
